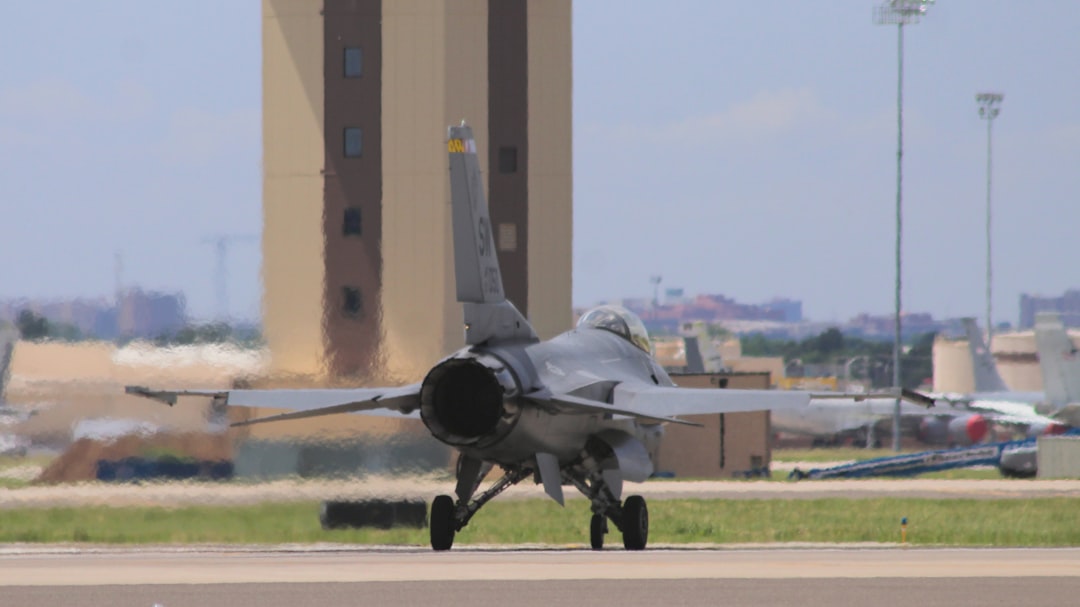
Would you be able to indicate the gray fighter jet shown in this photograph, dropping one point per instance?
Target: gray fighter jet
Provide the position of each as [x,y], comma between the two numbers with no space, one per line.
[575,410]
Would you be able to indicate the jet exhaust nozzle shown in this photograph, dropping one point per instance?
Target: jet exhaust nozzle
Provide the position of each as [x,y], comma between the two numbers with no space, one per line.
[959,431]
[469,401]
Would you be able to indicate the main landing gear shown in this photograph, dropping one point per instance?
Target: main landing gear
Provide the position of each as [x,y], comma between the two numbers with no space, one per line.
[602,487]
[449,516]
[633,522]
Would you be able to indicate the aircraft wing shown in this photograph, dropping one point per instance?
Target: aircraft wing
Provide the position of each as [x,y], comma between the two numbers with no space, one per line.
[302,403]
[664,401]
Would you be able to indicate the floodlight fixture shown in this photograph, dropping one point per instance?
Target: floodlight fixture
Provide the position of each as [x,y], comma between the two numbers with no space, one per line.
[901,12]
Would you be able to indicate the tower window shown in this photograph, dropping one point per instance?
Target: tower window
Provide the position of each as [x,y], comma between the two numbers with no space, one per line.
[352,304]
[507,236]
[508,159]
[354,142]
[354,62]
[351,226]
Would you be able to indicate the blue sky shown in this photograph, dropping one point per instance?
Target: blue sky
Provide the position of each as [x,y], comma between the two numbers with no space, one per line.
[739,148]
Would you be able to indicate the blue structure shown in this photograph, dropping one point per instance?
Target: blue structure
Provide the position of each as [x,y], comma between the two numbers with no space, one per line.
[988,454]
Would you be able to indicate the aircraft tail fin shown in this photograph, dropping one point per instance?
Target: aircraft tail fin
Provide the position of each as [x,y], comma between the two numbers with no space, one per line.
[1058,358]
[489,316]
[7,349]
[987,378]
[701,354]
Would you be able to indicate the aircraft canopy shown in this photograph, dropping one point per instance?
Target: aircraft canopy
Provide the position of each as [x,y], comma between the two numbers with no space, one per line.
[619,321]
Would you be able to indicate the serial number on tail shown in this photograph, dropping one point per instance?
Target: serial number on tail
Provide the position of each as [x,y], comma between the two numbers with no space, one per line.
[461,146]
[492,282]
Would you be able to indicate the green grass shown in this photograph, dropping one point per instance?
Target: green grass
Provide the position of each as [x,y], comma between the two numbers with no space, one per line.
[1011,522]
[831,454]
[10,461]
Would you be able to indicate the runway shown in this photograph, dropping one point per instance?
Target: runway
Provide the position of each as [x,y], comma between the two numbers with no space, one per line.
[326,576]
[189,493]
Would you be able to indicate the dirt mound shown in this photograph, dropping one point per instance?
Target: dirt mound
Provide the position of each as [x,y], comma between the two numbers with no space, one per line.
[79,462]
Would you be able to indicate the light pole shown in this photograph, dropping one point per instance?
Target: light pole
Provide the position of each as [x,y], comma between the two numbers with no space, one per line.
[988,110]
[901,13]
[655,281]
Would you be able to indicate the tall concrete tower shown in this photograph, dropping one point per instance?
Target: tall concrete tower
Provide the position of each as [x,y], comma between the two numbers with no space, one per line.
[357,251]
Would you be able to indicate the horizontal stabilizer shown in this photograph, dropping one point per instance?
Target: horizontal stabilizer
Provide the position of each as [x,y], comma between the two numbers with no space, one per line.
[303,403]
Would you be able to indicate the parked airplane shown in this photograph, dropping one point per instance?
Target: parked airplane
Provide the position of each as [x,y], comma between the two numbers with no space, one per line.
[577,409]
[993,399]
[956,420]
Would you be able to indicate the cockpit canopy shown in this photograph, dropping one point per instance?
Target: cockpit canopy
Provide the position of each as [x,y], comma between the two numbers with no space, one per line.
[619,321]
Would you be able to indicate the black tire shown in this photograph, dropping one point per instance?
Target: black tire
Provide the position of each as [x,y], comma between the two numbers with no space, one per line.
[597,529]
[442,523]
[635,523]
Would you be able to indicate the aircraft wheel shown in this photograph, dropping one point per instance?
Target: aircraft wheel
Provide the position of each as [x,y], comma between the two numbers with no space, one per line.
[597,529]
[635,523]
[442,522]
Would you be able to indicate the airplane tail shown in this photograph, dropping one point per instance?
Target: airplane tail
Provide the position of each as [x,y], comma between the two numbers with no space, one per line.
[489,316]
[987,378]
[701,355]
[1058,358]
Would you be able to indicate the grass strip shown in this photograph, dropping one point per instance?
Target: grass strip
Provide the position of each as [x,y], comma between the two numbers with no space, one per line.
[960,522]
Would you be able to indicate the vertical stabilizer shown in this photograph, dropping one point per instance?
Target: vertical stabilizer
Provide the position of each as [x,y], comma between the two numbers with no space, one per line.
[1058,358]
[987,378]
[489,316]
[701,354]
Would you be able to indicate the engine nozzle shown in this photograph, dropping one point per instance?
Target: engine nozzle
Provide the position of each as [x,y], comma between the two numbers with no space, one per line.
[467,401]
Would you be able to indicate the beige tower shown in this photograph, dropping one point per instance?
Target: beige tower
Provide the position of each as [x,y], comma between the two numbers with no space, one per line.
[357,95]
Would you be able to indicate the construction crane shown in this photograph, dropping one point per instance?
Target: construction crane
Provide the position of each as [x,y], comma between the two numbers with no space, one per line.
[221,243]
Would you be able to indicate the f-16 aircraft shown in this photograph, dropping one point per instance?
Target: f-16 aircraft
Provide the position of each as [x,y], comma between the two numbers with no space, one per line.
[577,409]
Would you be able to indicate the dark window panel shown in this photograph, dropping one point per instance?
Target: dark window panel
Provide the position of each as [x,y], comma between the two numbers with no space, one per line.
[352,304]
[352,225]
[354,142]
[354,62]
[508,159]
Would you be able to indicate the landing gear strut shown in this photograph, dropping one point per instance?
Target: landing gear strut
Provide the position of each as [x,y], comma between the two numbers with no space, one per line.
[448,517]
[631,518]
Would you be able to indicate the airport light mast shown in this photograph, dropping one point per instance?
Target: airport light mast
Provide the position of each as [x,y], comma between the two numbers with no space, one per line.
[900,13]
[988,110]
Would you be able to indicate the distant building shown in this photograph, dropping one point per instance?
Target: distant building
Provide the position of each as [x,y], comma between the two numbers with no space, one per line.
[148,314]
[884,326]
[790,308]
[1068,305]
[137,314]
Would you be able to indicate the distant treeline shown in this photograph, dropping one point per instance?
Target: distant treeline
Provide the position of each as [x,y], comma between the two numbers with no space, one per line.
[34,327]
[832,347]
